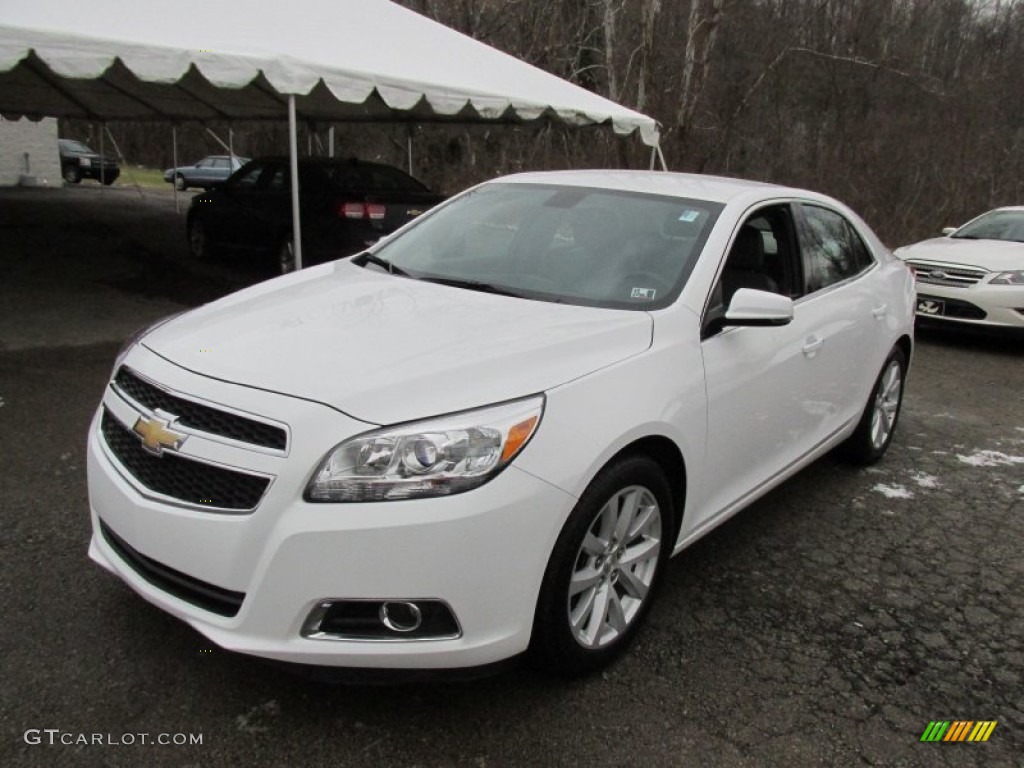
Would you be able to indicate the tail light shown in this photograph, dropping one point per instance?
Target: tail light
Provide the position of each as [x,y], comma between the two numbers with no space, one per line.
[355,210]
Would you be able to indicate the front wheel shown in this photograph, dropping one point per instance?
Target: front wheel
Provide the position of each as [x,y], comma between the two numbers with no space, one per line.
[199,243]
[874,432]
[604,569]
[71,174]
[179,183]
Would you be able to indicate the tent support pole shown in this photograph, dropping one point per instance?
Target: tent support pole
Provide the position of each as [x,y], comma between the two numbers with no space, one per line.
[293,156]
[103,159]
[654,157]
[330,141]
[661,156]
[174,157]
[231,145]
[118,154]
[218,139]
[408,145]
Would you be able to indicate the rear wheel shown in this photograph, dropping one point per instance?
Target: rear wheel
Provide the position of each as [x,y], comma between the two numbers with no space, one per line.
[286,255]
[604,569]
[108,180]
[71,174]
[877,425]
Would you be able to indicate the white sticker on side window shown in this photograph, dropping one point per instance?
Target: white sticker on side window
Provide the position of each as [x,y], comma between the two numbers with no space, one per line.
[642,293]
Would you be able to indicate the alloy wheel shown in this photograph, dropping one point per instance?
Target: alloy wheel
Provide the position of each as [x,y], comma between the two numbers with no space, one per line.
[286,256]
[887,403]
[615,567]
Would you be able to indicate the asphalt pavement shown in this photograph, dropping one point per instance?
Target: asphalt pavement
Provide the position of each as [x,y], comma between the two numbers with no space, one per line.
[826,625]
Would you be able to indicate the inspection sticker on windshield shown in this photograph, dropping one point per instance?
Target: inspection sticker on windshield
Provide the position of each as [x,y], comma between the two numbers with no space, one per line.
[642,293]
[689,215]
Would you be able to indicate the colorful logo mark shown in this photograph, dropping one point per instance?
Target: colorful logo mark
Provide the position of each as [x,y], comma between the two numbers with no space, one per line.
[958,730]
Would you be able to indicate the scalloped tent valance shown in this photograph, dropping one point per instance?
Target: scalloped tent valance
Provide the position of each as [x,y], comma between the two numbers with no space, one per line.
[342,60]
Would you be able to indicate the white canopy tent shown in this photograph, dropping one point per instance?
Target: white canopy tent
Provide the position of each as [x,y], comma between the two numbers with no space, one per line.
[319,60]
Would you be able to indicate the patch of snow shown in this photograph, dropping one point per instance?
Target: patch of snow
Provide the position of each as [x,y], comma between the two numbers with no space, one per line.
[990,459]
[925,480]
[893,491]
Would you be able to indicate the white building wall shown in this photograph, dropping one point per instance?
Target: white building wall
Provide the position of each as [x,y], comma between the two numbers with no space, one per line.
[39,140]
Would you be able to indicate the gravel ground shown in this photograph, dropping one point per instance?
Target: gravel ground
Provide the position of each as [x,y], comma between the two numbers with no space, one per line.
[826,625]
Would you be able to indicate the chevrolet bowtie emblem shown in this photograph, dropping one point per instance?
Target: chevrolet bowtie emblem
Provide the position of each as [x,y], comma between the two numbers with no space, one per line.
[157,435]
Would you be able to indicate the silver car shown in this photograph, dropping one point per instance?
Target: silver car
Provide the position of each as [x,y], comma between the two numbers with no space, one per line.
[208,172]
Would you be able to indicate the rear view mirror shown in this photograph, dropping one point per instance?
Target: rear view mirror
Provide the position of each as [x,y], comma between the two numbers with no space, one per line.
[947,231]
[758,308]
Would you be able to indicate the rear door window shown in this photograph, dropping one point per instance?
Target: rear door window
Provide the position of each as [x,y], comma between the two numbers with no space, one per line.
[832,250]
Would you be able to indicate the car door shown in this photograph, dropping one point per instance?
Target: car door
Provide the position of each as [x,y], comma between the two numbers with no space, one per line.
[845,306]
[235,219]
[198,174]
[768,388]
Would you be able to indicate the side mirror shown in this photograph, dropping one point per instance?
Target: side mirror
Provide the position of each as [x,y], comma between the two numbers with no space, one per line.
[947,231]
[759,308]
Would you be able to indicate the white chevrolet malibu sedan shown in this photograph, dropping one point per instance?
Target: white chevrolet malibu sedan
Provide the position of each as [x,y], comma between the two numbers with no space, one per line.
[974,275]
[488,434]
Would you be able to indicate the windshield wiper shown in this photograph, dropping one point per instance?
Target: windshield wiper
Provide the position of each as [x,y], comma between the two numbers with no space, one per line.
[473,285]
[377,261]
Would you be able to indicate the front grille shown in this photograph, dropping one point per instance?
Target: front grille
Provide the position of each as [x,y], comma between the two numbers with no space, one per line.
[214,599]
[179,477]
[956,308]
[932,273]
[201,417]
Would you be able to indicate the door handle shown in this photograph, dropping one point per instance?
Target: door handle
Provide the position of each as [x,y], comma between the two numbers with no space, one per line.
[812,345]
[879,312]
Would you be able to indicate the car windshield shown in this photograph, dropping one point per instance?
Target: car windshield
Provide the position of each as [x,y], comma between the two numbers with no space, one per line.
[575,245]
[995,225]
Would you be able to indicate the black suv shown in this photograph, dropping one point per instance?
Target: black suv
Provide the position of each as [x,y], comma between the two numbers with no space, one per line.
[346,206]
[78,162]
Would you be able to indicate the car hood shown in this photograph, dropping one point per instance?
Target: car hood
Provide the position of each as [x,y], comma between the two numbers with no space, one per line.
[387,349]
[993,255]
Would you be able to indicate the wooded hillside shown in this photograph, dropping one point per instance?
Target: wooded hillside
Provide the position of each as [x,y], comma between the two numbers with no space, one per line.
[911,111]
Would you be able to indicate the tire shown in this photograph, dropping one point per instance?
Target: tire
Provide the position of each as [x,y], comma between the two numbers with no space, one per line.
[179,183]
[286,255]
[199,244]
[592,601]
[108,180]
[72,174]
[870,440]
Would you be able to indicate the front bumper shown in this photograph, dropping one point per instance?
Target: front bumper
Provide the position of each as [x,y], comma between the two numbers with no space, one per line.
[483,552]
[981,304]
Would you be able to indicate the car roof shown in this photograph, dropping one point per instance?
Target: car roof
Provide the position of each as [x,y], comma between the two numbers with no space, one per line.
[719,189]
[324,161]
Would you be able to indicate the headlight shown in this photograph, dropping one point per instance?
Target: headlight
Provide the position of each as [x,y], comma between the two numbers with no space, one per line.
[85,162]
[1008,278]
[136,337]
[437,457]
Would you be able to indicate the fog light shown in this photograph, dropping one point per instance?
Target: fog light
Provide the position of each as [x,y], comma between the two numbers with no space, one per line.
[388,620]
[401,617]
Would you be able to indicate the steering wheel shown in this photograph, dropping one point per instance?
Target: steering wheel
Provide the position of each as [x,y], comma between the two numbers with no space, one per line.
[645,281]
